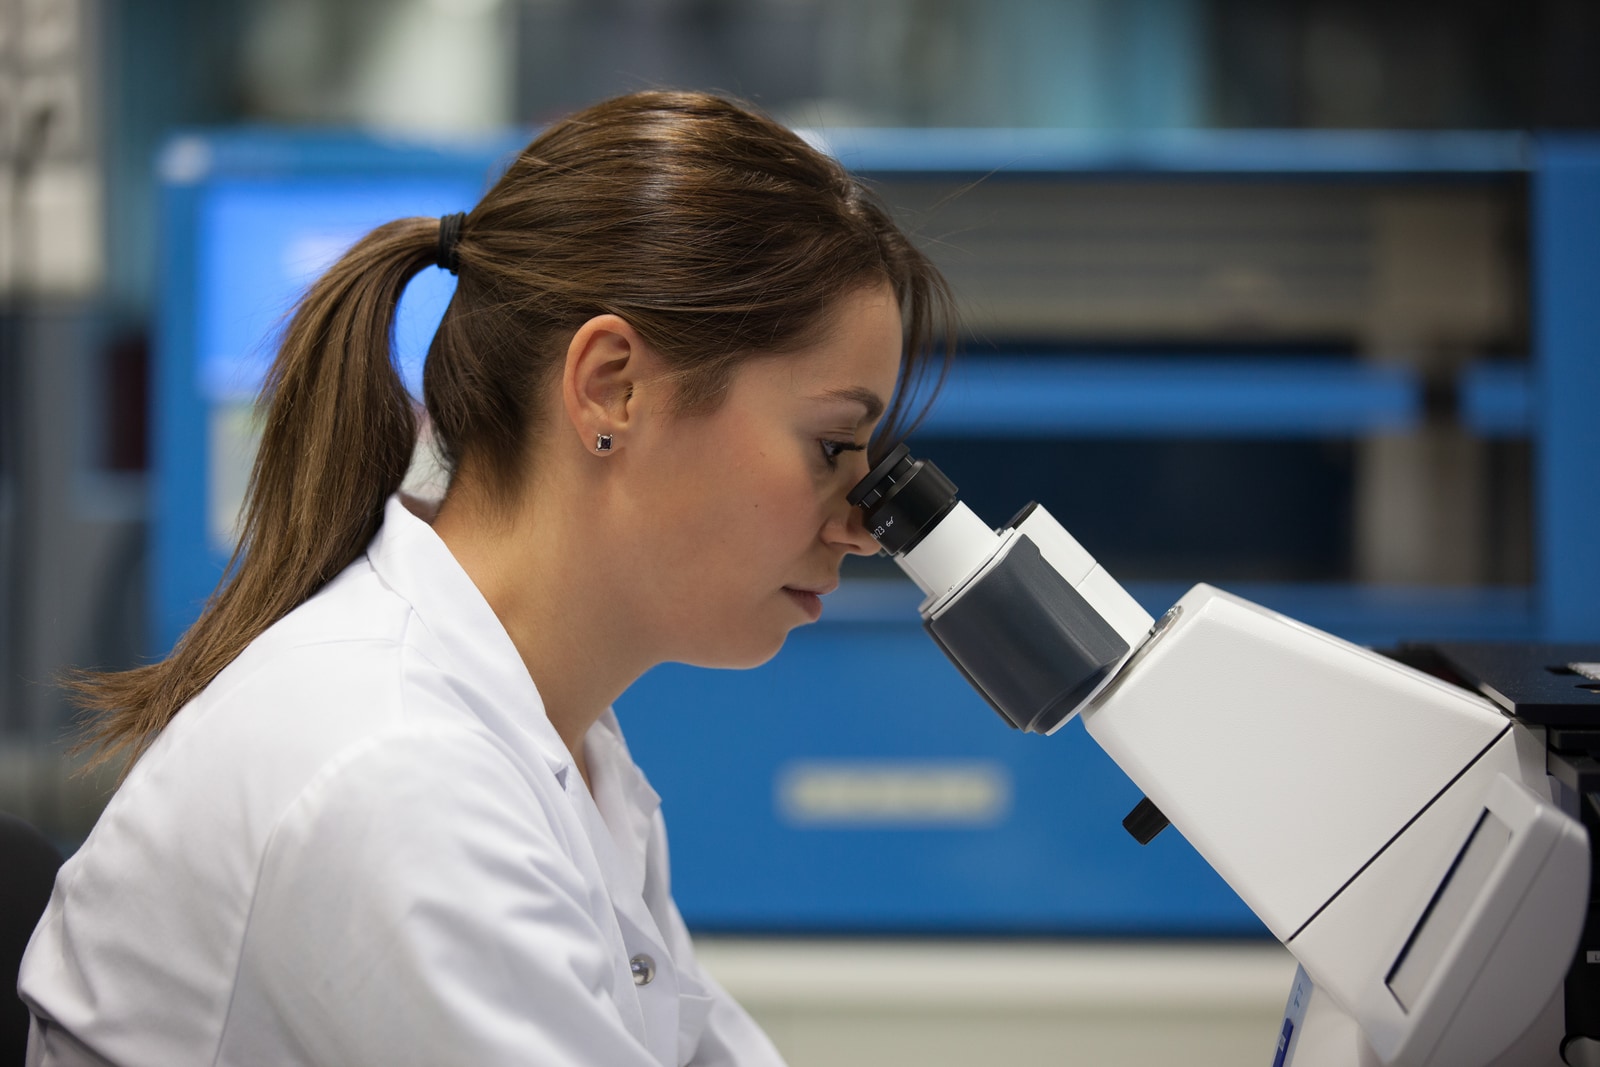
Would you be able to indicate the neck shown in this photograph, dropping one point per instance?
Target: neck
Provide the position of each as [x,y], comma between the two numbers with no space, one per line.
[553,588]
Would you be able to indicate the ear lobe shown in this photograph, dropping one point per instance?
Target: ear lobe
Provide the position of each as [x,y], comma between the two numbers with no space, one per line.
[606,359]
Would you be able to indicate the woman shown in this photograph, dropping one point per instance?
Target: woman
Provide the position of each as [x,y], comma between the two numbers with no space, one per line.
[379,810]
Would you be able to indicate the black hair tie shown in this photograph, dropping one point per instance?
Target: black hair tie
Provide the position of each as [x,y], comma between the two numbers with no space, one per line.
[449,238]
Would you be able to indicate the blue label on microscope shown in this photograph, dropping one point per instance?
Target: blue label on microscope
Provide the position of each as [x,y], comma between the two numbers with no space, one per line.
[1283,1043]
[1294,1013]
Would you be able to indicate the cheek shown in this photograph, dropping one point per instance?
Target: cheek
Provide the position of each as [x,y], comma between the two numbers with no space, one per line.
[768,528]
[768,488]
[730,507]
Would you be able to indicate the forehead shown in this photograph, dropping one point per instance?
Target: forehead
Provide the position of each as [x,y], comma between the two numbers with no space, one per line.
[855,357]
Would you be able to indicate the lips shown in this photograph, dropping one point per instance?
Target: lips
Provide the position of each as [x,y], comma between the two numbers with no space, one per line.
[822,589]
[810,600]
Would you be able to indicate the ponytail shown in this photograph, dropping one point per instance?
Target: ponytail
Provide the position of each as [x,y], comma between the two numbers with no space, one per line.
[337,440]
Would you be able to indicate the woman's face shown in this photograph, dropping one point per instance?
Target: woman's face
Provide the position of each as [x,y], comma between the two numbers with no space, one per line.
[747,505]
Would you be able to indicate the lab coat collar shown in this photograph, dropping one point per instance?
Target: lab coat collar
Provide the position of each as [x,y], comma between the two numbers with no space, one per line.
[412,560]
[623,797]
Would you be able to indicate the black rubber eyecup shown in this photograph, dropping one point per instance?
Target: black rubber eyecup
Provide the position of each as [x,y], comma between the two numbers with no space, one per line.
[902,499]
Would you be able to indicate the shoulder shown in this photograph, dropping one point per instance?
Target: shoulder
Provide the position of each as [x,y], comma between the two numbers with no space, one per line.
[355,616]
[338,667]
[346,673]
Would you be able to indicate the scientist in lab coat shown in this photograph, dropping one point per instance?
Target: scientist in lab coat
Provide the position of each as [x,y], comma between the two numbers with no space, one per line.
[378,809]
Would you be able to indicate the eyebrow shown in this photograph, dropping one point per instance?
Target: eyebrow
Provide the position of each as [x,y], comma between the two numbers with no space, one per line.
[865,397]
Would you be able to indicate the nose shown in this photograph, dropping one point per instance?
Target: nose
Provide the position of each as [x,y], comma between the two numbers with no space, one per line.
[847,530]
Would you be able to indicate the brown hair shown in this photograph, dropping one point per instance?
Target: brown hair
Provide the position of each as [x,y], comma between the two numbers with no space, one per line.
[714,231]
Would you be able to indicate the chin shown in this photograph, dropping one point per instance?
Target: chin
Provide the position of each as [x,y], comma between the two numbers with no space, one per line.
[740,655]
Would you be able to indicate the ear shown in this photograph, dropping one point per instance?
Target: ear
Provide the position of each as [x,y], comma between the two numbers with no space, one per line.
[606,362]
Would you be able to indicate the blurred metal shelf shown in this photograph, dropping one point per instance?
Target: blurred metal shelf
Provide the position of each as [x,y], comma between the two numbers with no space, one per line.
[1498,399]
[1271,396]
[194,157]
[1380,154]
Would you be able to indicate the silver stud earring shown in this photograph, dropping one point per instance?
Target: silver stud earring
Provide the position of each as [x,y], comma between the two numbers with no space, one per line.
[602,443]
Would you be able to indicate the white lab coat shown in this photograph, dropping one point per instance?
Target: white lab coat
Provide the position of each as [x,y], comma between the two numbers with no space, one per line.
[365,843]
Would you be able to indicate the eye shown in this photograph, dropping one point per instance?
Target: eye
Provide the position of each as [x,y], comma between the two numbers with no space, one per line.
[832,450]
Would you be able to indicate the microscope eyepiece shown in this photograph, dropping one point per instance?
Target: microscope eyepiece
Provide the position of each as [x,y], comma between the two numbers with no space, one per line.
[902,499]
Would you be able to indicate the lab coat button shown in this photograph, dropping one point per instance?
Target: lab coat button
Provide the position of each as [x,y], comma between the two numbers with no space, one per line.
[643,968]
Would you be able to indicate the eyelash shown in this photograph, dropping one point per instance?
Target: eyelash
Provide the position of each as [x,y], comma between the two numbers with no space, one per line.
[832,450]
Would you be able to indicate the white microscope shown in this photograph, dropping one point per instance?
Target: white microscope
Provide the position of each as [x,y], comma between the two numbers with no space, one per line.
[1399,834]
